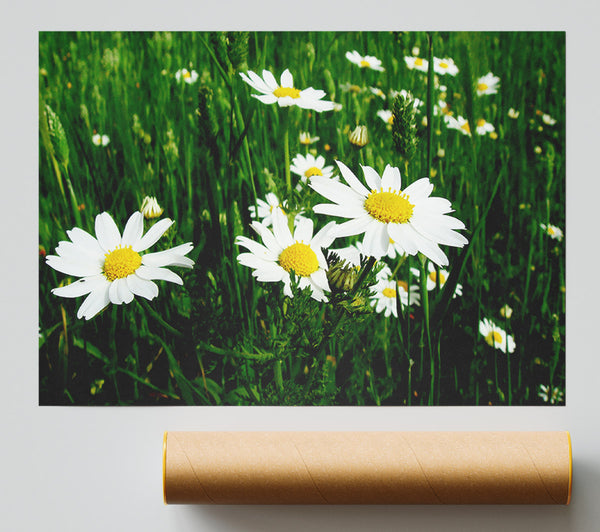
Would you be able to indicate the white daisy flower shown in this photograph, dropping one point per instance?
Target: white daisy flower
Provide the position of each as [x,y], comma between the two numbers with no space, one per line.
[306,139]
[307,166]
[266,208]
[383,296]
[186,76]
[550,395]
[386,115]
[506,311]
[444,66]
[150,208]
[409,217]
[547,119]
[482,127]
[553,231]
[100,140]
[377,92]
[350,87]
[512,113]
[281,253]
[284,92]
[111,266]
[459,123]
[416,63]
[441,107]
[488,84]
[496,337]
[366,61]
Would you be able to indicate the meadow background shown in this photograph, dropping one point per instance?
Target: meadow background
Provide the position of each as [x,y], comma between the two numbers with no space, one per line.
[207,149]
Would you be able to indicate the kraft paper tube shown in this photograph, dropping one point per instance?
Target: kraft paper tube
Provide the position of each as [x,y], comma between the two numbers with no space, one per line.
[367,467]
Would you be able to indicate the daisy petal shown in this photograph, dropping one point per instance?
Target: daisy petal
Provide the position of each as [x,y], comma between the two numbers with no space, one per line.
[268,238]
[419,190]
[153,234]
[319,278]
[336,191]
[371,177]
[133,229]
[352,180]
[391,178]
[342,211]
[107,232]
[270,80]
[355,226]
[281,229]
[113,291]
[142,287]
[287,80]
[266,98]
[94,303]
[169,257]
[376,240]
[152,273]
[84,240]
[73,267]
[304,230]
[82,286]
[325,236]
[258,249]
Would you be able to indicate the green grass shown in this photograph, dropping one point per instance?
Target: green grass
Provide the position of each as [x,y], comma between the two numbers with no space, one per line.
[207,150]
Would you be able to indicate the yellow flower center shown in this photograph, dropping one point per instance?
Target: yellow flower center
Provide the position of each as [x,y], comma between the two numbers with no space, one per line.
[433,277]
[313,170]
[482,87]
[364,63]
[389,207]
[418,61]
[480,122]
[300,258]
[444,64]
[403,285]
[389,292]
[466,127]
[494,338]
[121,262]
[187,74]
[390,120]
[282,92]
[551,231]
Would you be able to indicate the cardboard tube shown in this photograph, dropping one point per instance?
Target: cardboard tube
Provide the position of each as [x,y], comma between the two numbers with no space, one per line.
[367,467]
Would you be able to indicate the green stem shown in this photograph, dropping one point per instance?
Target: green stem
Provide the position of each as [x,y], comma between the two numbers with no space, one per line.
[277,374]
[430,87]
[286,151]
[159,318]
[509,379]
[425,307]
[114,360]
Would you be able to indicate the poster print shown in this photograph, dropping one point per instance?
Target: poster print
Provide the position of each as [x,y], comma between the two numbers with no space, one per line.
[306,218]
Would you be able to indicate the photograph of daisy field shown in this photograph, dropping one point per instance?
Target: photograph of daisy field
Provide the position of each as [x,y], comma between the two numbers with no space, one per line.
[302,218]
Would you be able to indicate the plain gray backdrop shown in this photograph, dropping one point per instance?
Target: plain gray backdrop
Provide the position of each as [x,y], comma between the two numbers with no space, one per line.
[98,469]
